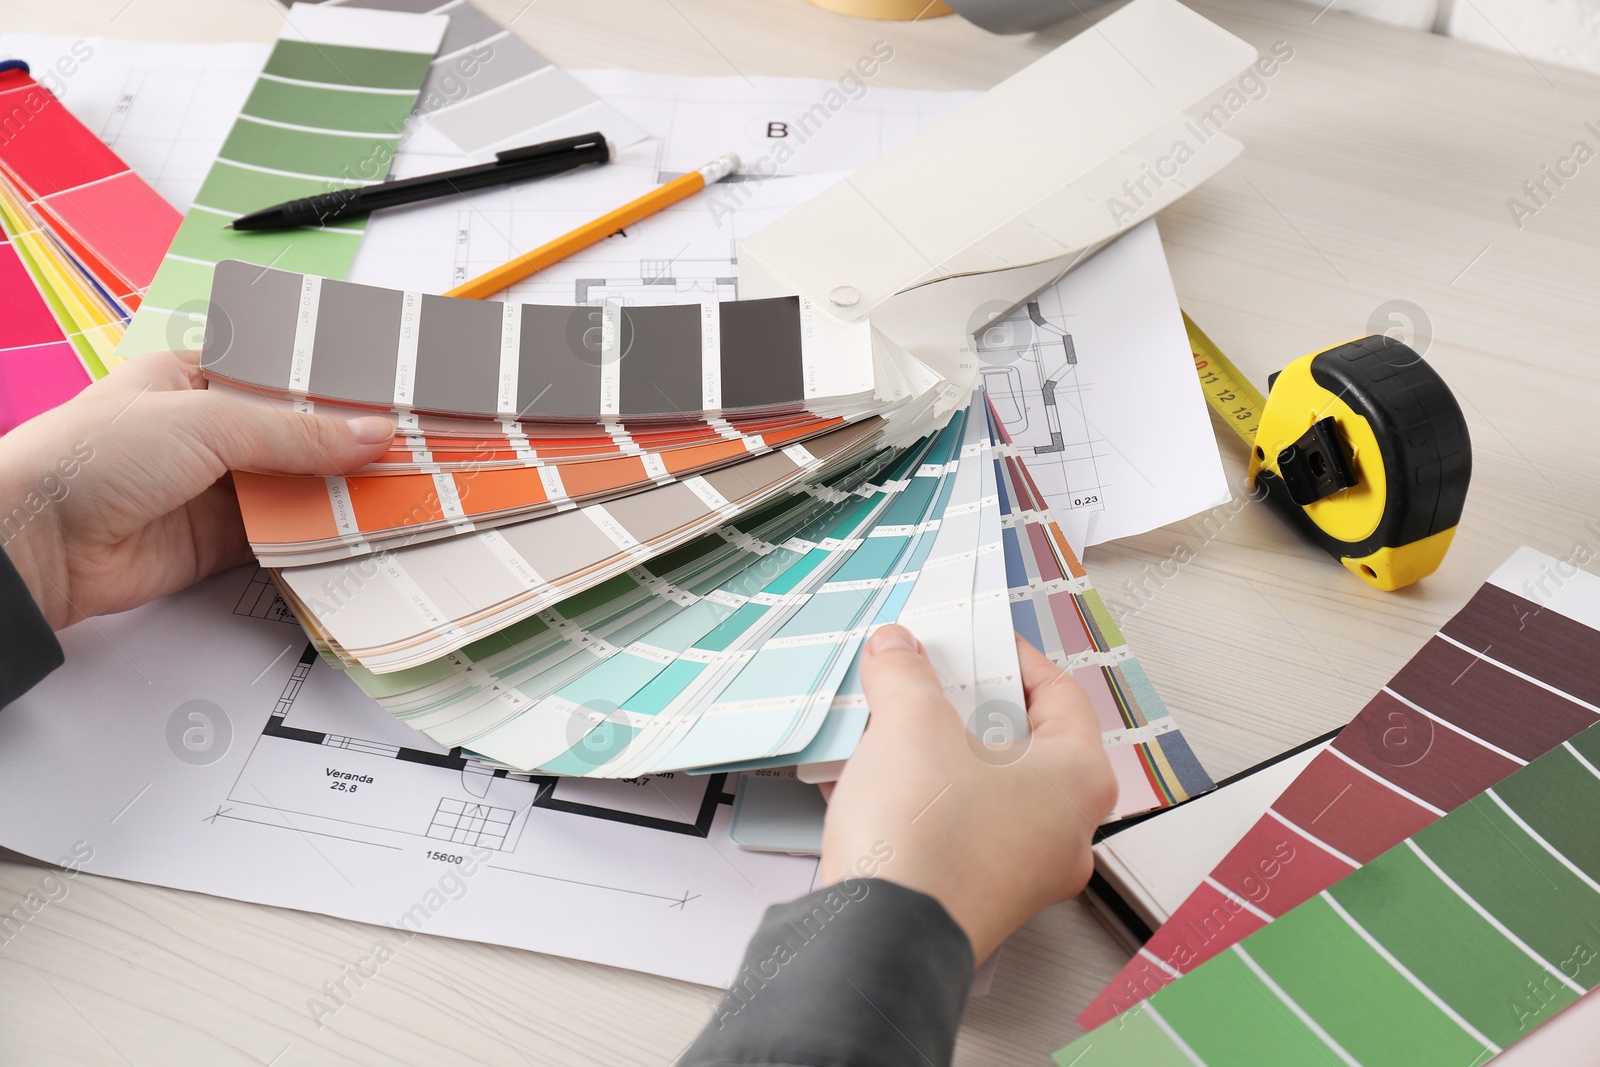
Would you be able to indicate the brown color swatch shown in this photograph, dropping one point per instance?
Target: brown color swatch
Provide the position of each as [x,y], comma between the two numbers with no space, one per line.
[1487,702]
[1536,641]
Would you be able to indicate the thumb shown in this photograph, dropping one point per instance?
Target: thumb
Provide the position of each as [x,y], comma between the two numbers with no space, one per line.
[255,437]
[896,674]
[1057,704]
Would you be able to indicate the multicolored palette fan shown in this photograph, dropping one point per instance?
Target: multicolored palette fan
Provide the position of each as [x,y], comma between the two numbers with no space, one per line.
[1426,891]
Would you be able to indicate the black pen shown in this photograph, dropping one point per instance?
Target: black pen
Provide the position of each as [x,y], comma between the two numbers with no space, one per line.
[512,165]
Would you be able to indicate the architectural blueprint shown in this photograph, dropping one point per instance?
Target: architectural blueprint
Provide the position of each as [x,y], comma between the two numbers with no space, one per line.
[791,142]
[1095,383]
[227,758]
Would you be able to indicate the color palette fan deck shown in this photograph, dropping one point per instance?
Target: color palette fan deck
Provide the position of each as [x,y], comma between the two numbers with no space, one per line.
[1425,892]
[83,237]
[620,540]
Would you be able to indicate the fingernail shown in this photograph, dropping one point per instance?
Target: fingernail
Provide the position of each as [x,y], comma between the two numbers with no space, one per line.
[891,637]
[370,429]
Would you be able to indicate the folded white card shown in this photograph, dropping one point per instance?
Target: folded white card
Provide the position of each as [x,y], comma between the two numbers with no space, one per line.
[995,201]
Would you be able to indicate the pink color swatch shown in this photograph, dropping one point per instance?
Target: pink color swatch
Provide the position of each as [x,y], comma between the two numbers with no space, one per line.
[106,216]
[38,366]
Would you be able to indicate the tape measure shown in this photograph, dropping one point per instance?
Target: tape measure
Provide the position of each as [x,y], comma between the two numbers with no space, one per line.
[1363,446]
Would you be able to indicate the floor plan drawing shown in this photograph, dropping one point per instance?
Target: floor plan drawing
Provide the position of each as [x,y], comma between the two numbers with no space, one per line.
[1094,382]
[315,797]
[478,803]
[1043,395]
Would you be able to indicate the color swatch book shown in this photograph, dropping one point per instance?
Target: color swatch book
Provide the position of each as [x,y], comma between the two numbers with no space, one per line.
[39,365]
[325,114]
[84,235]
[1444,950]
[488,90]
[1505,682]
[626,540]
[738,647]
[102,214]
[461,624]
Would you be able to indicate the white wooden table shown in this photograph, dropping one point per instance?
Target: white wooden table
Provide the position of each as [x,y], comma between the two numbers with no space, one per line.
[1378,166]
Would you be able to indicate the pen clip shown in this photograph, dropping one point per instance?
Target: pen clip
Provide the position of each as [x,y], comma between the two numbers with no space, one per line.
[551,149]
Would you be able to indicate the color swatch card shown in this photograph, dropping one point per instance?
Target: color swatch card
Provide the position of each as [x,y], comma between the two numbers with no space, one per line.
[1444,950]
[487,90]
[89,318]
[302,521]
[438,596]
[39,365]
[103,214]
[84,235]
[1506,681]
[300,335]
[327,113]
[1056,607]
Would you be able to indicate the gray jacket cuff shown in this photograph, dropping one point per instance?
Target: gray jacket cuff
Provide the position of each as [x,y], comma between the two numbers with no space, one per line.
[28,648]
[865,973]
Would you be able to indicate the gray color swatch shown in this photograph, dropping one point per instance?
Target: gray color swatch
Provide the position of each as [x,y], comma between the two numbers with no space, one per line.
[652,515]
[761,360]
[556,545]
[660,349]
[250,324]
[458,355]
[558,375]
[535,101]
[742,479]
[468,26]
[358,334]
[559,359]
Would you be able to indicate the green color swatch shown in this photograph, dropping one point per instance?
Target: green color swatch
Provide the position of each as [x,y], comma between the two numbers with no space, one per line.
[1442,951]
[333,124]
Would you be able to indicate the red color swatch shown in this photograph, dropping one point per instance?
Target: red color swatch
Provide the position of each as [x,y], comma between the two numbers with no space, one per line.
[105,215]
[1413,764]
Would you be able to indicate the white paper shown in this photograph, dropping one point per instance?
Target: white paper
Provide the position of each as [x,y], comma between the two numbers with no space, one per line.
[681,255]
[156,748]
[1101,399]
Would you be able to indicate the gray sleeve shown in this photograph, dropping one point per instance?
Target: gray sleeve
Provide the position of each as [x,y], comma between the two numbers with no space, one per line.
[28,648]
[865,973]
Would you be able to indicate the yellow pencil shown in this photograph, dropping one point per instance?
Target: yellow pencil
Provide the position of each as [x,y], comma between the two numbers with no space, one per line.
[591,233]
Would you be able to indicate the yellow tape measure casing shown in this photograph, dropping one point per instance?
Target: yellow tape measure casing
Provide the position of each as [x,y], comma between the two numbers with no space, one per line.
[1296,402]
[1363,446]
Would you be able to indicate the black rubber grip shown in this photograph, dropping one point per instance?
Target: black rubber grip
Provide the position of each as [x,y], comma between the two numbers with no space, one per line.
[1427,452]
